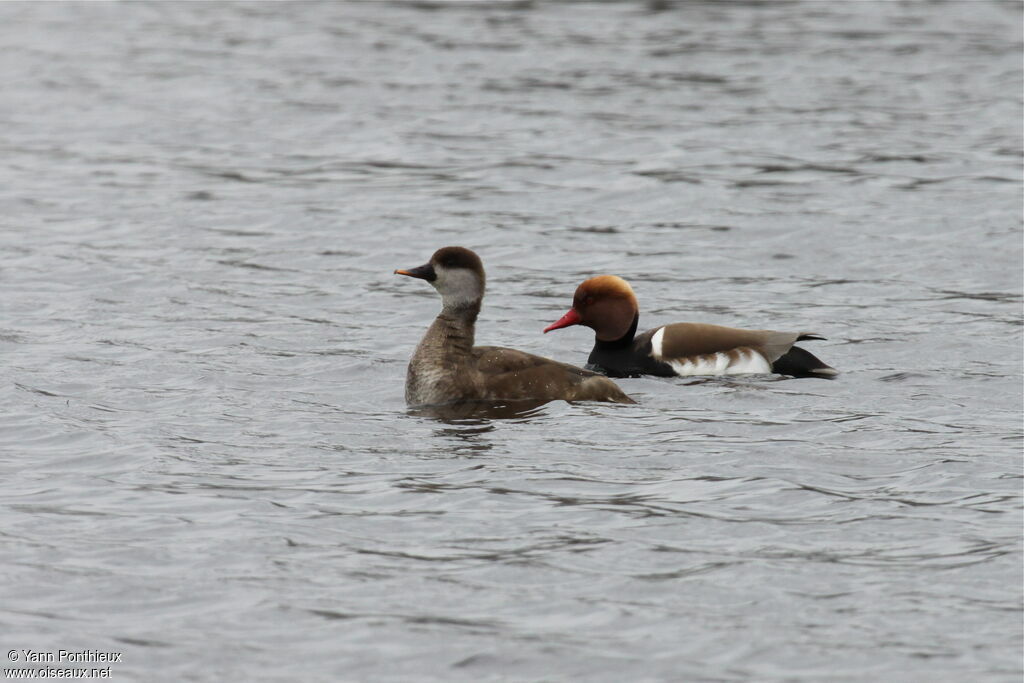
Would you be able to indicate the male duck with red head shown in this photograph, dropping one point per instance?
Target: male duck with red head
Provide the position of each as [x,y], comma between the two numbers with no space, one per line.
[607,305]
[447,368]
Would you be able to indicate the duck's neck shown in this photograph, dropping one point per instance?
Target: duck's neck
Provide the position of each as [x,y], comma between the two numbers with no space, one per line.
[625,341]
[453,333]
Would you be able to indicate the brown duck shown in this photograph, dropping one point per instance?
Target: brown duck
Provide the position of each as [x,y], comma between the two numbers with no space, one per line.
[607,305]
[447,368]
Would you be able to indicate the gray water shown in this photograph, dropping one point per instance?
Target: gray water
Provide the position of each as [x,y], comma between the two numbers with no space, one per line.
[207,463]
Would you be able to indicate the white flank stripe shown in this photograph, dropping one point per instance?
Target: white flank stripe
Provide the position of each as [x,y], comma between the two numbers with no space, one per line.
[656,343]
[749,363]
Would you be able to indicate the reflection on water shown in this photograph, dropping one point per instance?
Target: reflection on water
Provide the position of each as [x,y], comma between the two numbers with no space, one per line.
[472,413]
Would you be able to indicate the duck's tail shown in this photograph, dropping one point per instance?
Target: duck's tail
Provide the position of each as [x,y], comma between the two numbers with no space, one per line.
[801,363]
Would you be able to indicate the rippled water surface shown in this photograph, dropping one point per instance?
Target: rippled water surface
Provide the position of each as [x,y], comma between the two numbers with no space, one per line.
[207,462]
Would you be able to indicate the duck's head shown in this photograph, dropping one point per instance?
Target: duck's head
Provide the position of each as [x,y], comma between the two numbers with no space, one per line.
[456,273]
[606,304]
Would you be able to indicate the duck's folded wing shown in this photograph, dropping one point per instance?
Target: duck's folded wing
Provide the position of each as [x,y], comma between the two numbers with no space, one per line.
[508,372]
[687,340]
[496,360]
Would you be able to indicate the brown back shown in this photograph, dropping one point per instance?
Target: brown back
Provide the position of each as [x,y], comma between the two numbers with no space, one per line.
[682,340]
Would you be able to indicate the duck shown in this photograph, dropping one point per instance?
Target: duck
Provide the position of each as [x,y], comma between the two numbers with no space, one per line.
[447,368]
[607,305]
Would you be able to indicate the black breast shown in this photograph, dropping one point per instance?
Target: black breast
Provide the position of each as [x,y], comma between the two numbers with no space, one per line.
[632,360]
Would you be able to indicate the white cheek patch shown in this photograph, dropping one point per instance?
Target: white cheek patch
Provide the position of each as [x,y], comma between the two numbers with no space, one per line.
[738,362]
[458,286]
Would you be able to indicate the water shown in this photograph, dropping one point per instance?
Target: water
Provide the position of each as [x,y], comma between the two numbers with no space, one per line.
[207,462]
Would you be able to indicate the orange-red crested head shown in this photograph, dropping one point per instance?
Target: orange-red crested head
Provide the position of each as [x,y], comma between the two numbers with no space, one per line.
[606,304]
